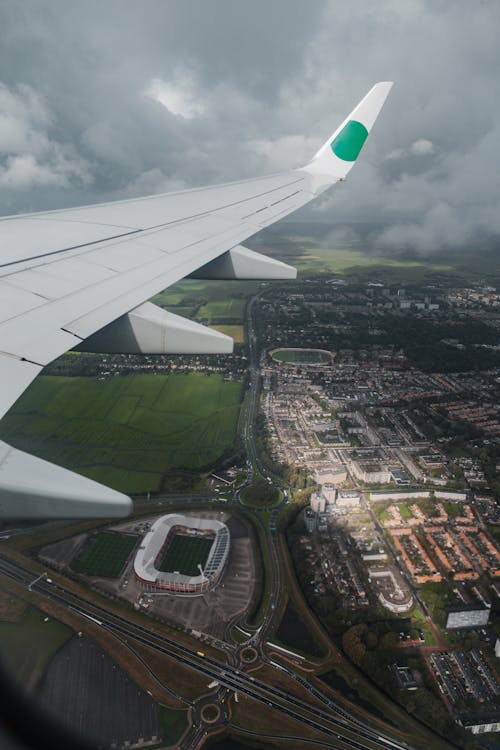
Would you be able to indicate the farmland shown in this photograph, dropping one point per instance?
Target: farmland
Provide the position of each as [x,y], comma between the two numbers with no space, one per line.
[104,554]
[208,301]
[135,433]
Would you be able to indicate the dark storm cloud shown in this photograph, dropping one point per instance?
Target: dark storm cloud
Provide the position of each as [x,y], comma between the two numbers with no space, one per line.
[101,100]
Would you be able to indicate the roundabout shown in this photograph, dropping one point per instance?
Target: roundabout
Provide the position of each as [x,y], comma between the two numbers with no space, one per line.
[249,654]
[210,713]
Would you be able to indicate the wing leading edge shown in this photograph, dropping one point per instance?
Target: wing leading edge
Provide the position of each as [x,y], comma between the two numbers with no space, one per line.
[79,278]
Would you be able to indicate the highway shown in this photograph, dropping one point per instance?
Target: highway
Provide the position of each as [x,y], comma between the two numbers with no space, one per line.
[336,723]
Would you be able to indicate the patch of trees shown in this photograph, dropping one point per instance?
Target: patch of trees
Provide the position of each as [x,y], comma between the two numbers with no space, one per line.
[261,493]
[418,336]
[291,475]
[490,458]
[372,646]
[373,650]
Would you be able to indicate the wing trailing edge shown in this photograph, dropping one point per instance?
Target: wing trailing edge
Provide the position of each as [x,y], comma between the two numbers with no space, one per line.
[33,488]
[151,330]
[242,263]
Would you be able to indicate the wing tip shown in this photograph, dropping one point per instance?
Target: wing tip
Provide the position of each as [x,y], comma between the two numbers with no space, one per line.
[338,154]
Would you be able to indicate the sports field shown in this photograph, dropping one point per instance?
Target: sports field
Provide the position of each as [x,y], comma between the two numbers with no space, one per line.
[131,432]
[104,554]
[185,553]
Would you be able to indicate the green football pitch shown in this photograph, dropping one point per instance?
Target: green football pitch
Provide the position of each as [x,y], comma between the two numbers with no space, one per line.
[185,553]
[104,554]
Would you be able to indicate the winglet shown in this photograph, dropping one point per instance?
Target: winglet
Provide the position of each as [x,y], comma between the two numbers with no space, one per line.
[337,155]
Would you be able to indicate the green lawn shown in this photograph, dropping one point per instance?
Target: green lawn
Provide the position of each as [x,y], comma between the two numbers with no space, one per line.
[405,511]
[185,553]
[105,554]
[454,509]
[131,431]
[27,645]
[173,723]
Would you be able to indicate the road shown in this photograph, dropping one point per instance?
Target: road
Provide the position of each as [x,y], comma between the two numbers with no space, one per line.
[336,722]
[275,574]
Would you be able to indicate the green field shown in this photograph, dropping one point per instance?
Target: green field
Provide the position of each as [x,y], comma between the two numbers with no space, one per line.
[185,553]
[454,509]
[173,723]
[405,511]
[104,554]
[342,259]
[222,309]
[346,257]
[315,248]
[302,356]
[131,432]
[27,645]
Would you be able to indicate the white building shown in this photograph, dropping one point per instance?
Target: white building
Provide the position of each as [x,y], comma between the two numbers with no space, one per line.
[370,476]
[348,499]
[329,493]
[334,473]
[318,502]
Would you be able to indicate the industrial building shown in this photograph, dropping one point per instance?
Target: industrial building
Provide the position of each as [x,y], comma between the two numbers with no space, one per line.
[480,722]
[467,616]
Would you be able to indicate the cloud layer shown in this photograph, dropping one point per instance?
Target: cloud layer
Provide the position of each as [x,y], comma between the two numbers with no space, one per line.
[102,100]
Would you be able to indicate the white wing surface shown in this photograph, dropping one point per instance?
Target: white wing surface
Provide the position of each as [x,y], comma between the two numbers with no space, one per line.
[80,277]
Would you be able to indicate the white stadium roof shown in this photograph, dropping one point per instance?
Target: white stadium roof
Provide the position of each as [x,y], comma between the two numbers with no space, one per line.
[144,563]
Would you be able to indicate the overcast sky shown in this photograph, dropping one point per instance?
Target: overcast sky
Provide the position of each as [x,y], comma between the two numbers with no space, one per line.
[101,100]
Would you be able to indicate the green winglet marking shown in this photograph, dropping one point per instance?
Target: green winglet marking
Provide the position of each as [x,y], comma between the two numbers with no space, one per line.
[349,141]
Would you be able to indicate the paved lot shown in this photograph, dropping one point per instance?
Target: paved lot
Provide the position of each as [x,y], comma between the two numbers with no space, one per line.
[62,553]
[96,697]
[211,612]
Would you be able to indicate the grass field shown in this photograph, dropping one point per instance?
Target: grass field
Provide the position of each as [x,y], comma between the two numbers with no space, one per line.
[104,554]
[185,553]
[341,259]
[222,308]
[129,432]
[454,509]
[27,645]
[173,723]
[405,511]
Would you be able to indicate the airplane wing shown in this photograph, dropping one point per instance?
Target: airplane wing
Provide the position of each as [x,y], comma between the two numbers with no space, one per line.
[79,278]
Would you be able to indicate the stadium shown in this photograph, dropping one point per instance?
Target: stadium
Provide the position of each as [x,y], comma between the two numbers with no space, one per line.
[182,555]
